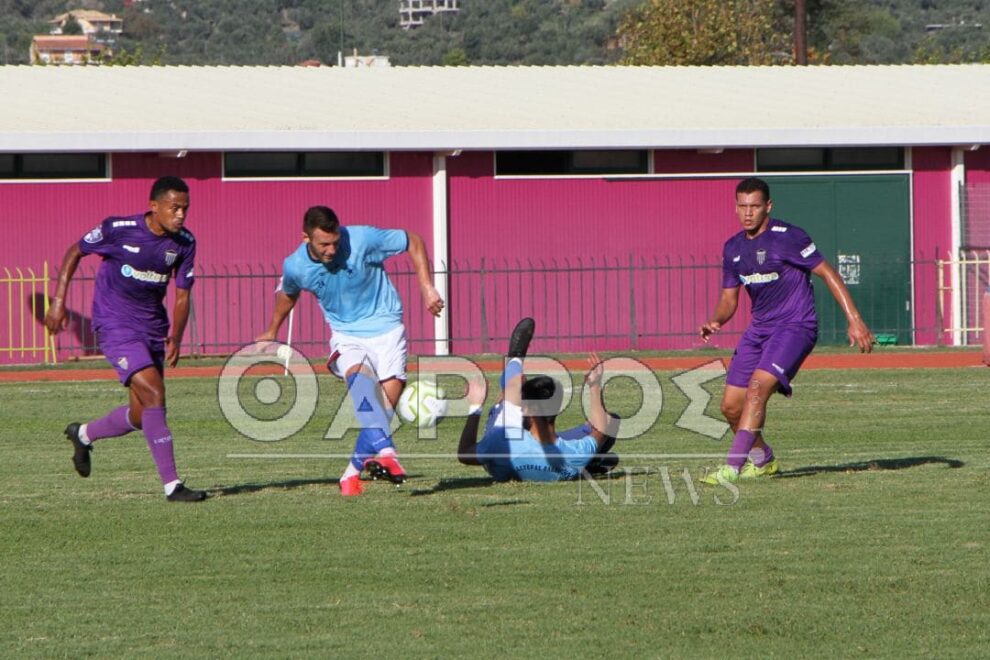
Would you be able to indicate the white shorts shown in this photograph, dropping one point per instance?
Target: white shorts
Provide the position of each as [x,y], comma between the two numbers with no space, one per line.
[386,354]
[507,415]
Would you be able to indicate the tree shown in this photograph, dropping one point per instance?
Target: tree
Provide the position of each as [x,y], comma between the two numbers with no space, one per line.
[455,57]
[71,26]
[704,32]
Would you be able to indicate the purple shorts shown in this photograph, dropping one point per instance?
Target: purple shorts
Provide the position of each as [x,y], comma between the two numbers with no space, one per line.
[779,350]
[129,353]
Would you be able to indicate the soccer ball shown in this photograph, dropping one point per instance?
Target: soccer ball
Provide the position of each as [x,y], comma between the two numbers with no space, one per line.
[422,404]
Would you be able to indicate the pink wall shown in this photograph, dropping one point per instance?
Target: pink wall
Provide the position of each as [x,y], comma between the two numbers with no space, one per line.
[932,233]
[609,263]
[656,243]
[242,227]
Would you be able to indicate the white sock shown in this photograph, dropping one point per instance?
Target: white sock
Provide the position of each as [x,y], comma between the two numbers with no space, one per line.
[388,451]
[349,472]
[171,486]
[83,438]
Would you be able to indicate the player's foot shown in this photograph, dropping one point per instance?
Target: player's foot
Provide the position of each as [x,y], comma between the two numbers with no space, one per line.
[386,467]
[183,494]
[351,486]
[521,335]
[722,475]
[80,454]
[750,471]
[602,464]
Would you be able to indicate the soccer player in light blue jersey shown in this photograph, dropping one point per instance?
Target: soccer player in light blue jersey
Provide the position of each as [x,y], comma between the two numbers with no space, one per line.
[343,266]
[773,260]
[521,441]
[141,253]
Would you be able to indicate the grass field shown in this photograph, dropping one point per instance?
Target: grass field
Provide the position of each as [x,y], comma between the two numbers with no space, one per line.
[873,542]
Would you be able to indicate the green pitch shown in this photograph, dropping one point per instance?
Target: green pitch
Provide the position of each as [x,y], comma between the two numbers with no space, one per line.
[873,542]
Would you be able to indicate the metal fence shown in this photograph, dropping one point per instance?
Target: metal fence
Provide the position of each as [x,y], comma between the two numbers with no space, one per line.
[24,298]
[608,304]
[962,285]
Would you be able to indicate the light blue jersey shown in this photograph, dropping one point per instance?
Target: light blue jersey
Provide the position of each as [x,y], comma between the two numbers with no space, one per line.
[354,291]
[509,454]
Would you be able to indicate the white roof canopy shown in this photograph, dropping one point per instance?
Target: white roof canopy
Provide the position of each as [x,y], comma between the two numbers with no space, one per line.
[125,108]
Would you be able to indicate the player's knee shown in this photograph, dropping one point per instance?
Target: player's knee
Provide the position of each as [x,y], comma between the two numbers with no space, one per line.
[731,410]
[149,396]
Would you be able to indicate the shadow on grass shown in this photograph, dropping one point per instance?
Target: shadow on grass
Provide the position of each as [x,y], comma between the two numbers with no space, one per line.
[454,484]
[241,489]
[874,465]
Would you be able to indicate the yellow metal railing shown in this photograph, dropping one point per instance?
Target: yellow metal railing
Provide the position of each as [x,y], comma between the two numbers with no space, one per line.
[26,337]
[963,293]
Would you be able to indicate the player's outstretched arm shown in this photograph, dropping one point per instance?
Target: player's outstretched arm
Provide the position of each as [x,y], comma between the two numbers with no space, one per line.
[283,305]
[599,415]
[180,317]
[467,447]
[421,263]
[859,334]
[728,302]
[56,319]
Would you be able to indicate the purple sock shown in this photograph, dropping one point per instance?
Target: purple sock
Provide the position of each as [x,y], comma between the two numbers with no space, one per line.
[762,456]
[741,444]
[114,423]
[160,443]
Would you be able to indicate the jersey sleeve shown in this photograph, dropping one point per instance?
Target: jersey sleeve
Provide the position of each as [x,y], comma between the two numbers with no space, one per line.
[730,272]
[388,242]
[291,283]
[584,446]
[99,240]
[800,250]
[185,269]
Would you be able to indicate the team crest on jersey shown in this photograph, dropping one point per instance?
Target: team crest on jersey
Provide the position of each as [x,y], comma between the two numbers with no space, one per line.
[170,257]
[761,256]
[94,236]
[122,363]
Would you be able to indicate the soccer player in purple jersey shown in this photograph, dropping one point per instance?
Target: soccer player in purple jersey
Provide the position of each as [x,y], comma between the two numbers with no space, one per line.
[772,259]
[141,253]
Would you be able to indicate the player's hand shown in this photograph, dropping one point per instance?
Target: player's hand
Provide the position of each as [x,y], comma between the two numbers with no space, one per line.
[477,390]
[172,348]
[434,303]
[708,329]
[860,335]
[56,320]
[263,342]
[596,371]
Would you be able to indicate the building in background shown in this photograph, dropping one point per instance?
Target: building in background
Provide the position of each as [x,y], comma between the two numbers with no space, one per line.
[67,50]
[598,196]
[95,24]
[413,13]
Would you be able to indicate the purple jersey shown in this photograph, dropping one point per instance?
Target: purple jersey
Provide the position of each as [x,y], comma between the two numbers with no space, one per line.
[775,267]
[134,275]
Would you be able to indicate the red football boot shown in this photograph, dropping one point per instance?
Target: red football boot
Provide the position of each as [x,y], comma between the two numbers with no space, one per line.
[386,467]
[351,486]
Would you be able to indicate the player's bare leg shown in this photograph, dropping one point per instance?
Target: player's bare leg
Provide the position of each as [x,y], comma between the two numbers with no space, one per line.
[733,403]
[761,386]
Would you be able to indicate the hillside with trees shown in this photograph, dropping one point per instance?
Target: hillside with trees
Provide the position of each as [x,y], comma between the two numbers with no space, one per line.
[528,32]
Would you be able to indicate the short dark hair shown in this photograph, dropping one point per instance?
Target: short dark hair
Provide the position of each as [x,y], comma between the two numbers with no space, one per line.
[753,184]
[166,183]
[542,396]
[320,217]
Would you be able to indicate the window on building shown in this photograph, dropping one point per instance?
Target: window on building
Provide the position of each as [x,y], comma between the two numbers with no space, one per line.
[291,164]
[829,159]
[53,166]
[581,162]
